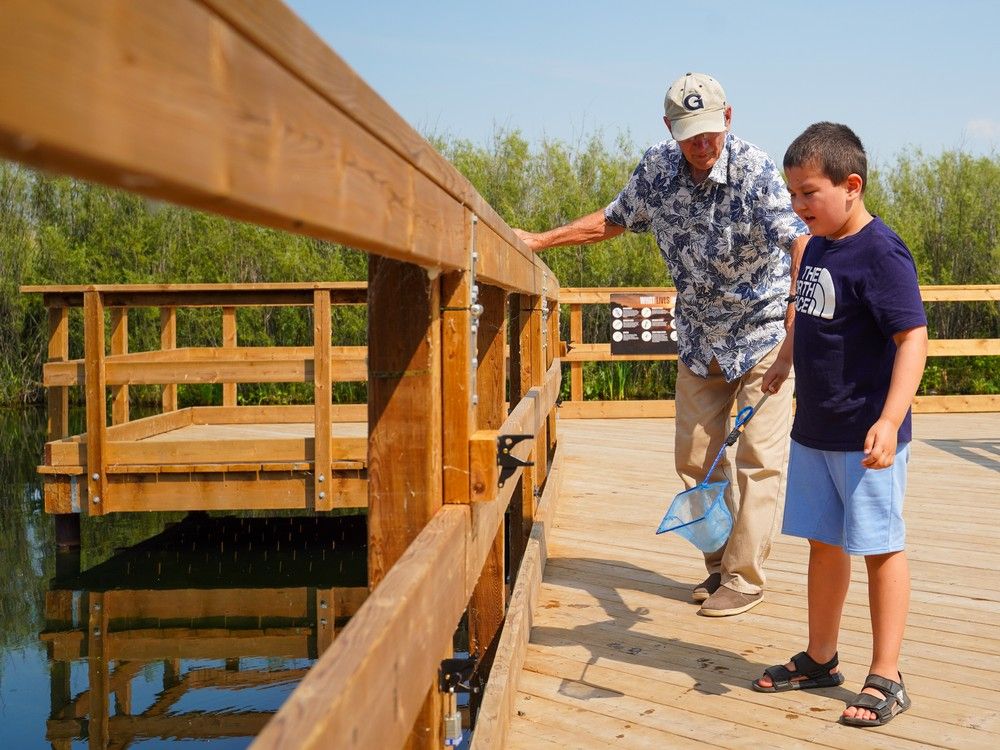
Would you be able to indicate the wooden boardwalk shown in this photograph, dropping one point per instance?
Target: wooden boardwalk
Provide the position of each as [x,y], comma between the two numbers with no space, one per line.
[618,656]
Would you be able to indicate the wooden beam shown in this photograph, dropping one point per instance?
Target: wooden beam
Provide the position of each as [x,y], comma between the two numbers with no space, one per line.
[322,420]
[119,346]
[489,597]
[58,398]
[404,421]
[168,341]
[229,342]
[96,446]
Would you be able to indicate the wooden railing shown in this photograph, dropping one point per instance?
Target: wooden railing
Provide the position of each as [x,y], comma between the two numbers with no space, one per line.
[240,109]
[578,351]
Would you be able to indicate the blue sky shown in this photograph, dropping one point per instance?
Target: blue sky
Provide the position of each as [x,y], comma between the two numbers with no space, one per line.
[902,74]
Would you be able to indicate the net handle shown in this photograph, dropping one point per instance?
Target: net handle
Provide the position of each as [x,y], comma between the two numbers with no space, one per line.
[742,417]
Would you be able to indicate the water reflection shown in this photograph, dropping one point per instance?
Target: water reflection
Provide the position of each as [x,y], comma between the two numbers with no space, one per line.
[197,634]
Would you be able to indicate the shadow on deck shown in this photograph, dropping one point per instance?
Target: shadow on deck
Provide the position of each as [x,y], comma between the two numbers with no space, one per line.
[617,654]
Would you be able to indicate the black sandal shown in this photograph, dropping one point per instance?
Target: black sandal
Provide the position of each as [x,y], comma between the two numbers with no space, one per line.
[811,674]
[894,701]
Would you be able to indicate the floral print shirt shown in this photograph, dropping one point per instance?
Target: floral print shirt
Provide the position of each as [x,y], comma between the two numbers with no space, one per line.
[725,242]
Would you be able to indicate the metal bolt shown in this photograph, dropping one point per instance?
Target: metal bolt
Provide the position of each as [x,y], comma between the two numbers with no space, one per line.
[97,632]
[322,495]
[323,604]
[97,500]
[95,476]
[322,478]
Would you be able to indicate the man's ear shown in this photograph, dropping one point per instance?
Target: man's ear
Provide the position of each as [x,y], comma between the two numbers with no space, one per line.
[729,116]
[855,185]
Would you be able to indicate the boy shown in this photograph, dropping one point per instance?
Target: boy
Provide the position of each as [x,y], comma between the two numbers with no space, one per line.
[859,346]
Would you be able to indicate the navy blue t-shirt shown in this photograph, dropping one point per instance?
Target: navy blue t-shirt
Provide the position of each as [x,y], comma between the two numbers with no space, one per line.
[852,296]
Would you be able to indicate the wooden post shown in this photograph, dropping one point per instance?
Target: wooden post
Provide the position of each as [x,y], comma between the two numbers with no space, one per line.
[229,342]
[99,713]
[551,353]
[323,409]
[576,337]
[58,420]
[67,525]
[404,425]
[487,605]
[458,410]
[119,345]
[93,346]
[529,372]
[168,340]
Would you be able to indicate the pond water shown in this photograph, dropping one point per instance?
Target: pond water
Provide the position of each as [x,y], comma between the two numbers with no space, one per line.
[164,630]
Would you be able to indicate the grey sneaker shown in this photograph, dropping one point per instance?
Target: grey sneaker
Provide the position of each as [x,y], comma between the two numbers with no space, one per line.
[706,588]
[725,601]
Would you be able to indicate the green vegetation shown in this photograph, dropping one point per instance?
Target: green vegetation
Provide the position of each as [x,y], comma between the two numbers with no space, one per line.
[56,230]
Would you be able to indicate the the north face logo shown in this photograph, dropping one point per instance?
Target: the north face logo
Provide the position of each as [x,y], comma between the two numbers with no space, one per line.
[693,102]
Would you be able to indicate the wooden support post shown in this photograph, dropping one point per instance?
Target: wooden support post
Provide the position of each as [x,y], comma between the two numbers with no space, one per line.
[458,411]
[67,525]
[93,346]
[551,353]
[99,713]
[168,340]
[229,342]
[322,481]
[404,424]
[530,373]
[576,337]
[326,618]
[515,526]
[58,396]
[119,345]
[487,605]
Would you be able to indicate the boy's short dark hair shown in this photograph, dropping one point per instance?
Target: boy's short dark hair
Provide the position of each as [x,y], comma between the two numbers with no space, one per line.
[834,148]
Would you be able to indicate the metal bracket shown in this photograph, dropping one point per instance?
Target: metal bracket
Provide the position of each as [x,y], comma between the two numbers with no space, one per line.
[455,675]
[509,464]
[475,312]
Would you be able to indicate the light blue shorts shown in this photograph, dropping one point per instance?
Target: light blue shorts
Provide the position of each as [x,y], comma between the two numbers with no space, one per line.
[833,499]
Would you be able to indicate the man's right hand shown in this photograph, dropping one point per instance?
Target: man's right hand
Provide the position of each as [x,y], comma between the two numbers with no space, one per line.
[531,239]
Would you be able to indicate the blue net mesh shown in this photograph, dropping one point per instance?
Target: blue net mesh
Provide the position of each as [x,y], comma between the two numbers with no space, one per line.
[700,515]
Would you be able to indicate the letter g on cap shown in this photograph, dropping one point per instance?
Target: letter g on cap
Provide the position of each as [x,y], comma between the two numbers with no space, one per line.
[693,102]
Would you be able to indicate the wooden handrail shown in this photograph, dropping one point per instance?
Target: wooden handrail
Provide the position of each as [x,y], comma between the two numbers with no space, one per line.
[578,352]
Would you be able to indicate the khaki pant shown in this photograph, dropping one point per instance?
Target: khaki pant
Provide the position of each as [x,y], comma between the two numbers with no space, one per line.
[703,421]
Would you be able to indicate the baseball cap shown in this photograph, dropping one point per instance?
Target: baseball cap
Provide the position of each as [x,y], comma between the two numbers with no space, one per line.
[695,103]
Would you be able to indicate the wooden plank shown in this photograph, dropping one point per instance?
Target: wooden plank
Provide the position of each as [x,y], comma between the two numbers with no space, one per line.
[96,446]
[168,340]
[248,365]
[119,346]
[155,424]
[458,409]
[575,339]
[963,347]
[368,687]
[275,414]
[197,451]
[493,723]
[210,295]
[322,448]
[929,293]
[227,491]
[229,342]
[487,603]
[58,351]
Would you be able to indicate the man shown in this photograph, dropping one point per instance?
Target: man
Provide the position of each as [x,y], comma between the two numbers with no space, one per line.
[722,218]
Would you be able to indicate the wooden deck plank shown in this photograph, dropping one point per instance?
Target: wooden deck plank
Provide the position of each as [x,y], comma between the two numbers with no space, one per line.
[618,655]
